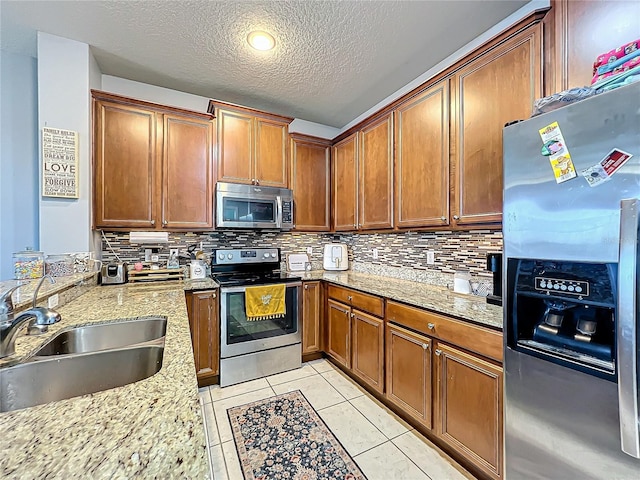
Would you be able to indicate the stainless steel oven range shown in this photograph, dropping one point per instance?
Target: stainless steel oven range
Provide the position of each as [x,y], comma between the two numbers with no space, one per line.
[252,349]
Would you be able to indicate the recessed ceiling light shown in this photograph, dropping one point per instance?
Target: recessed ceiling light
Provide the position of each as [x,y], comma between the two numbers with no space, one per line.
[261,40]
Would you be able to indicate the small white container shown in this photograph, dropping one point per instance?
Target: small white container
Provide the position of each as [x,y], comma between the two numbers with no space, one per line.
[197,269]
[461,281]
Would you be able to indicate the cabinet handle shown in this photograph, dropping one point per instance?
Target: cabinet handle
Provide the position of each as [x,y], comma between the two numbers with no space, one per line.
[456,217]
[164,222]
[438,352]
[431,326]
[153,222]
[306,287]
[443,219]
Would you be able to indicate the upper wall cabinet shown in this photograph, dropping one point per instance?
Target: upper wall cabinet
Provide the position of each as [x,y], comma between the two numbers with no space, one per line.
[310,182]
[375,172]
[422,159]
[152,165]
[345,184]
[498,87]
[252,147]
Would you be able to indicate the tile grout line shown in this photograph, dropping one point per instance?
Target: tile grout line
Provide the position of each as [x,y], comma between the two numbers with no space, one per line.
[362,413]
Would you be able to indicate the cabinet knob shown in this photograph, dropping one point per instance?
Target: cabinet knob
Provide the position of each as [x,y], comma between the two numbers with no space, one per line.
[349,297]
[306,287]
[456,217]
[425,346]
[355,226]
[213,296]
[431,326]
[444,219]
[253,180]
[353,315]
[153,222]
[164,222]
[438,352]
[359,225]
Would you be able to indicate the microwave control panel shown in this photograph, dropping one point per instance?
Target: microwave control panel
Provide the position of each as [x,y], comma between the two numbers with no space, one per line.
[286,212]
[557,285]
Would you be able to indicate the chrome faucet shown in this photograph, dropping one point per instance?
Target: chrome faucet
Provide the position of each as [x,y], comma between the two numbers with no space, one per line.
[10,323]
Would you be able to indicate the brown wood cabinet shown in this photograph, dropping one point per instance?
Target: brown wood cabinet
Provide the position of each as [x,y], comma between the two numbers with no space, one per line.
[338,344]
[367,359]
[469,407]
[345,184]
[408,372]
[252,147]
[375,175]
[202,307]
[311,183]
[311,315]
[481,108]
[422,159]
[153,166]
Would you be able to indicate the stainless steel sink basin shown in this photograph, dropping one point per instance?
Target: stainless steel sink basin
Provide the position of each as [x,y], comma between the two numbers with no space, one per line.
[104,336]
[65,376]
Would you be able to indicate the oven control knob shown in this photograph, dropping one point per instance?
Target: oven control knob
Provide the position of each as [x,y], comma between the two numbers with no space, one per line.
[266,255]
[273,255]
[230,256]
[221,256]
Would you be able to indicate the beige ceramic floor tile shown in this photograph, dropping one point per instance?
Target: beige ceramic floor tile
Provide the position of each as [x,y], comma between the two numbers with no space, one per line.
[231,459]
[344,385]
[218,466]
[205,396]
[315,388]
[427,458]
[350,427]
[218,393]
[321,365]
[386,421]
[386,462]
[304,371]
[211,429]
[220,408]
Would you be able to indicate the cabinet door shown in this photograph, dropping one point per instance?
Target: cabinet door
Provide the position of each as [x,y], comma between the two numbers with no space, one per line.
[339,332]
[375,169]
[310,182]
[125,166]
[311,317]
[482,108]
[271,159]
[422,159]
[345,184]
[469,411]
[409,372]
[187,173]
[367,360]
[235,147]
[205,334]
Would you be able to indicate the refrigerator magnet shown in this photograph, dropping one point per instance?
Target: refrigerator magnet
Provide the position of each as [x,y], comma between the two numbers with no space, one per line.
[556,149]
[603,170]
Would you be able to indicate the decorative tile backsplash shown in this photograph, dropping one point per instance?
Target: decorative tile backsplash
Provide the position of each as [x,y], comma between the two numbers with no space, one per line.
[401,255]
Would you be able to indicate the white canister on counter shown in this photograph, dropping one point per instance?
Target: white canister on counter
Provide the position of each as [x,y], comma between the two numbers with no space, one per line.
[197,269]
[461,281]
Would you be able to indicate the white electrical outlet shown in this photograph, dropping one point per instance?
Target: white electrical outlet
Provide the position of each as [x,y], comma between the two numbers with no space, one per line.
[309,251]
[53,301]
[431,257]
[375,253]
[173,252]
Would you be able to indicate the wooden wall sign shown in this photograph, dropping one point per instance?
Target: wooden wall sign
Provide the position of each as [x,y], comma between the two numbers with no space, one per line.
[59,163]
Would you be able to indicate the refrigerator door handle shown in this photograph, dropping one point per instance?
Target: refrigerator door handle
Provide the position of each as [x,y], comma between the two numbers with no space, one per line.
[626,340]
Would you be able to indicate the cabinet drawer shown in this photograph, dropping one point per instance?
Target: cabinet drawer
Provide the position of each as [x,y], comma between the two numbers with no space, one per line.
[359,300]
[471,337]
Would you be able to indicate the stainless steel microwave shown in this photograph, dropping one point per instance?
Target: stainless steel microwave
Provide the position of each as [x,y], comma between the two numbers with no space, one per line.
[253,207]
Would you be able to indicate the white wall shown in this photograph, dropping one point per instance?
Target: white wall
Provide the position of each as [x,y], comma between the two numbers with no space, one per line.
[18,157]
[66,72]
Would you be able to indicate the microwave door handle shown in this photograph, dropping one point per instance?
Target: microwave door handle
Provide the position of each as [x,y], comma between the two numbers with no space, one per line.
[626,327]
[279,211]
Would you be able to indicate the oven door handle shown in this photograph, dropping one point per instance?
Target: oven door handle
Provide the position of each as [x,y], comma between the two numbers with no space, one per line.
[244,287]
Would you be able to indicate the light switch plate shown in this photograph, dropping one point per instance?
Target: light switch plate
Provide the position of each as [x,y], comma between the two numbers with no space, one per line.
[53,300]
[375,253]
[431,257]
[309,250]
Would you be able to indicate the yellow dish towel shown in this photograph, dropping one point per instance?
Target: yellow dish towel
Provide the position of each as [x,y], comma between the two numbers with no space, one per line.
[265,302]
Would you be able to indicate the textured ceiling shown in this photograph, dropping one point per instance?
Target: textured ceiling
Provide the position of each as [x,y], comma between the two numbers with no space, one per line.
[333,59]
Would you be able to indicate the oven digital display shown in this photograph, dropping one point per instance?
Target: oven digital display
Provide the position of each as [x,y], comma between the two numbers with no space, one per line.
[247,254]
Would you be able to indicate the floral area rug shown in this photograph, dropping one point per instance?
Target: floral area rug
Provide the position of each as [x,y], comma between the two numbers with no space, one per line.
[284,437]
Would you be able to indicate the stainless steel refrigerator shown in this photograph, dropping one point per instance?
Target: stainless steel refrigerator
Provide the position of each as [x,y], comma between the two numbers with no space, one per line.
[571,225]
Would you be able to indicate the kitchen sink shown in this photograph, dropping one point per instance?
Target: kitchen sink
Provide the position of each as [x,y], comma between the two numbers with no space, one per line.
[48,379]
[104,336]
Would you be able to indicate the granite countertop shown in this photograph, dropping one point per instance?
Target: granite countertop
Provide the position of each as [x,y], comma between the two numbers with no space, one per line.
[23,296]
[435,298]
[152,428]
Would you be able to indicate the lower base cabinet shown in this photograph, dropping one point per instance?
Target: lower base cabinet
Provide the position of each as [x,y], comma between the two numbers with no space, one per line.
[202,307]
[408,369]
[469,407]
[339,333]
[367,359]
[311,313]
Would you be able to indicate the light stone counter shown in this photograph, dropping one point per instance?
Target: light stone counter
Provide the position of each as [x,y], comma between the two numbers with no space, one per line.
[149,429]
[431,297]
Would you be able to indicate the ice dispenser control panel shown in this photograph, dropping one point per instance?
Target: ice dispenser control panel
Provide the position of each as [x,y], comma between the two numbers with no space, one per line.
[557,285]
